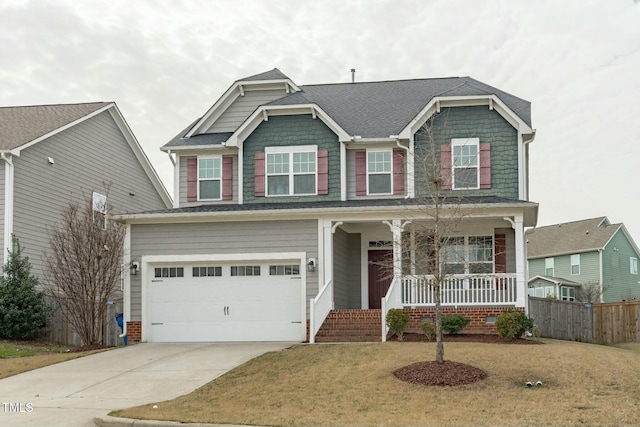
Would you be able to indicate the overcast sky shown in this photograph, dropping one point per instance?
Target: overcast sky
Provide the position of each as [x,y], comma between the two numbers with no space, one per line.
[166,62]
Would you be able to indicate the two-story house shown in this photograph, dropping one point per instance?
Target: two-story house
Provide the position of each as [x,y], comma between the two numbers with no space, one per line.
[563,258]
[286,197]
[52,155]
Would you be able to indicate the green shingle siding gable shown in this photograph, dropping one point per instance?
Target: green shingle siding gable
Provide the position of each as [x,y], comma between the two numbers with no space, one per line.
[490,127]
[622,285]
[291,130]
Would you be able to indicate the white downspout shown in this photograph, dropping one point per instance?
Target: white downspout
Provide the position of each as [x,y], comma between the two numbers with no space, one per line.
[8,204]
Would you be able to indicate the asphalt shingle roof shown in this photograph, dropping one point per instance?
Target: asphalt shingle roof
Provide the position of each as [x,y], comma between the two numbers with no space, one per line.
[570,237]
[20,125]
[379,109]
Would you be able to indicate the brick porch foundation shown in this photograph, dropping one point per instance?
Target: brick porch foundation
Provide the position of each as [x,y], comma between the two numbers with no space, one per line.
[134,332]
[482,318]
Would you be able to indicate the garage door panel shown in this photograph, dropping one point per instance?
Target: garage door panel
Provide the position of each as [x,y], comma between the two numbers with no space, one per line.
[229,308]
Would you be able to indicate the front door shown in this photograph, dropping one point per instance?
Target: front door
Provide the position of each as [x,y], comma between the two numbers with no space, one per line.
[380,275]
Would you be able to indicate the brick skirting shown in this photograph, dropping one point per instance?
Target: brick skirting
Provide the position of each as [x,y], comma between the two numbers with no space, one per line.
[478,316]
[134,332]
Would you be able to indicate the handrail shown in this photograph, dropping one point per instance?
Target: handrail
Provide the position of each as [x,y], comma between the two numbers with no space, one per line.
[393,299]
[319,308]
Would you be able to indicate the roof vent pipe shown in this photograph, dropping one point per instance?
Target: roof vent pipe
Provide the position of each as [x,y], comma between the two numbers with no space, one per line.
[353,75]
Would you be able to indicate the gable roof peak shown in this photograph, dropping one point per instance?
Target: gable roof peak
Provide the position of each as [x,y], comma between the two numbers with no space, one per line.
[274,74]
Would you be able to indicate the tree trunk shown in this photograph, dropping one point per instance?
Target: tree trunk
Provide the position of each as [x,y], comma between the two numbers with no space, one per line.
[439,338]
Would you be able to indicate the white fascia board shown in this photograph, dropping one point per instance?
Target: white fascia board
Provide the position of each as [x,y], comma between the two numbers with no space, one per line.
[234,92]
[351,214]
[264,111]
[492,101]
[195,148]
[16,151]
[140,154]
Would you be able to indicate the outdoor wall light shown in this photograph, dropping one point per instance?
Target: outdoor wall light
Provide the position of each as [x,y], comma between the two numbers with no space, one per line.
[135,266]
[311,265]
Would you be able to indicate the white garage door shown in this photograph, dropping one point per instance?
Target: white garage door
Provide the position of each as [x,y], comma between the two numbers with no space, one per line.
[213,302]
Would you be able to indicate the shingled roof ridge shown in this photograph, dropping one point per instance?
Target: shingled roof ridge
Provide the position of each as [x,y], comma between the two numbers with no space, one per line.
[379,81]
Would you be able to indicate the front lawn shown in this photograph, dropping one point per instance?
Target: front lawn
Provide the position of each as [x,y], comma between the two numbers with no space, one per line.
[22,356]
[353,385]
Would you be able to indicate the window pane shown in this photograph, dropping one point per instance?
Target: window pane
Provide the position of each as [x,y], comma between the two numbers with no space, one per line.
[278,184]
[304,184]
[465,155]
[380,184]
[210,189]
[304,162]
[209,168]
[548,272]
[481,268]
[277,163]
[379,161]
[633,265]
[466,177]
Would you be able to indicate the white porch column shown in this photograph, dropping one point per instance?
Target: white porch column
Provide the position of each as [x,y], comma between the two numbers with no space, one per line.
[397,226]
[521,260]
[327,256]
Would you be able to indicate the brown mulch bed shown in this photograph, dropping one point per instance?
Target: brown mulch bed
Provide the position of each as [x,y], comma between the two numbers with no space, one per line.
[449,373]
[482,338]
[445,374]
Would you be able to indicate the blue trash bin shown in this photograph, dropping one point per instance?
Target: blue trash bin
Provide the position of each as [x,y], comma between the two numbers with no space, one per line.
[120,322]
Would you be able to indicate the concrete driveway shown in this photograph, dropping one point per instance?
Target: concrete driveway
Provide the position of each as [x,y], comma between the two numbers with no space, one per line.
[74,392]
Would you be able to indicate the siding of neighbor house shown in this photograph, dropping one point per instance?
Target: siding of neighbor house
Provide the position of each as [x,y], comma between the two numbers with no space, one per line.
[87,156]
[490,127]
[616,270]
[346,270]
[291,131]
[183,180]
[242,108]
[222,238]
[589,267]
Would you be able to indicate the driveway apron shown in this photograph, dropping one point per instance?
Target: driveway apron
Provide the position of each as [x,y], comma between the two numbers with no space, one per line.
[74,392]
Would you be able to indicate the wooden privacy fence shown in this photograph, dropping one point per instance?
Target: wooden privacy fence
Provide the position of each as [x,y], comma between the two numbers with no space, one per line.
[62,332]
[607,323]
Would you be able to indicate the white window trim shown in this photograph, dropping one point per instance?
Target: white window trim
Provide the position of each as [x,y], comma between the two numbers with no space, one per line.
[464,142]
[575,256]
[380,150]
[549,263]
[633,261]
[290,149]
[209,179]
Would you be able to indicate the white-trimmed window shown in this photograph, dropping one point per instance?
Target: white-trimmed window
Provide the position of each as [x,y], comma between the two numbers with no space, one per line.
[168,272]
[548,267]
[480,254]
[99,202]
[575,264]
[212,271]
[465,164]
[284,270]
[469,255]
[245,270]
[209,178]
[633,265]
[567,293]
[292,170]
[380,171]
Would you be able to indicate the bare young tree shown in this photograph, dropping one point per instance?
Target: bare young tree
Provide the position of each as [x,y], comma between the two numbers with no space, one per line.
[84,266]
[591,292]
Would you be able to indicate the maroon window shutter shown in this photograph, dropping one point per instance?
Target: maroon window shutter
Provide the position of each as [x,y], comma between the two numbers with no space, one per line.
[445,166]
[361,173]
[227,178]
[323,172]
[485,165]
[500,255]
[192,179]
[398,172]
[258,160]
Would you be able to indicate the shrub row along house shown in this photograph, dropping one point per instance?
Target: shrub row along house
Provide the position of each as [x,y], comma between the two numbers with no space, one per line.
[52,155]
[287,198]
[591,260]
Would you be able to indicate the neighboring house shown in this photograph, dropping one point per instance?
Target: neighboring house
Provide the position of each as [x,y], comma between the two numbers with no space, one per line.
[55,154]
[590,251]
[286,195]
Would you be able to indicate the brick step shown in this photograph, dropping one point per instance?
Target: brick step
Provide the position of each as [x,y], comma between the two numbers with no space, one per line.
[352,325]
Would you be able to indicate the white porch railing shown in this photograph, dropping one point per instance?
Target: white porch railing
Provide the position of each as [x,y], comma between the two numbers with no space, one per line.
[461,289]
[393,299]
[319,309]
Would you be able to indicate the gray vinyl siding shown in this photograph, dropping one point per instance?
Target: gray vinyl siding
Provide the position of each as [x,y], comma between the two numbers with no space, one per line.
[222,238]
[242,108]
[89,156]
[346,270]
[621,284]
[182,198]
[589,267]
